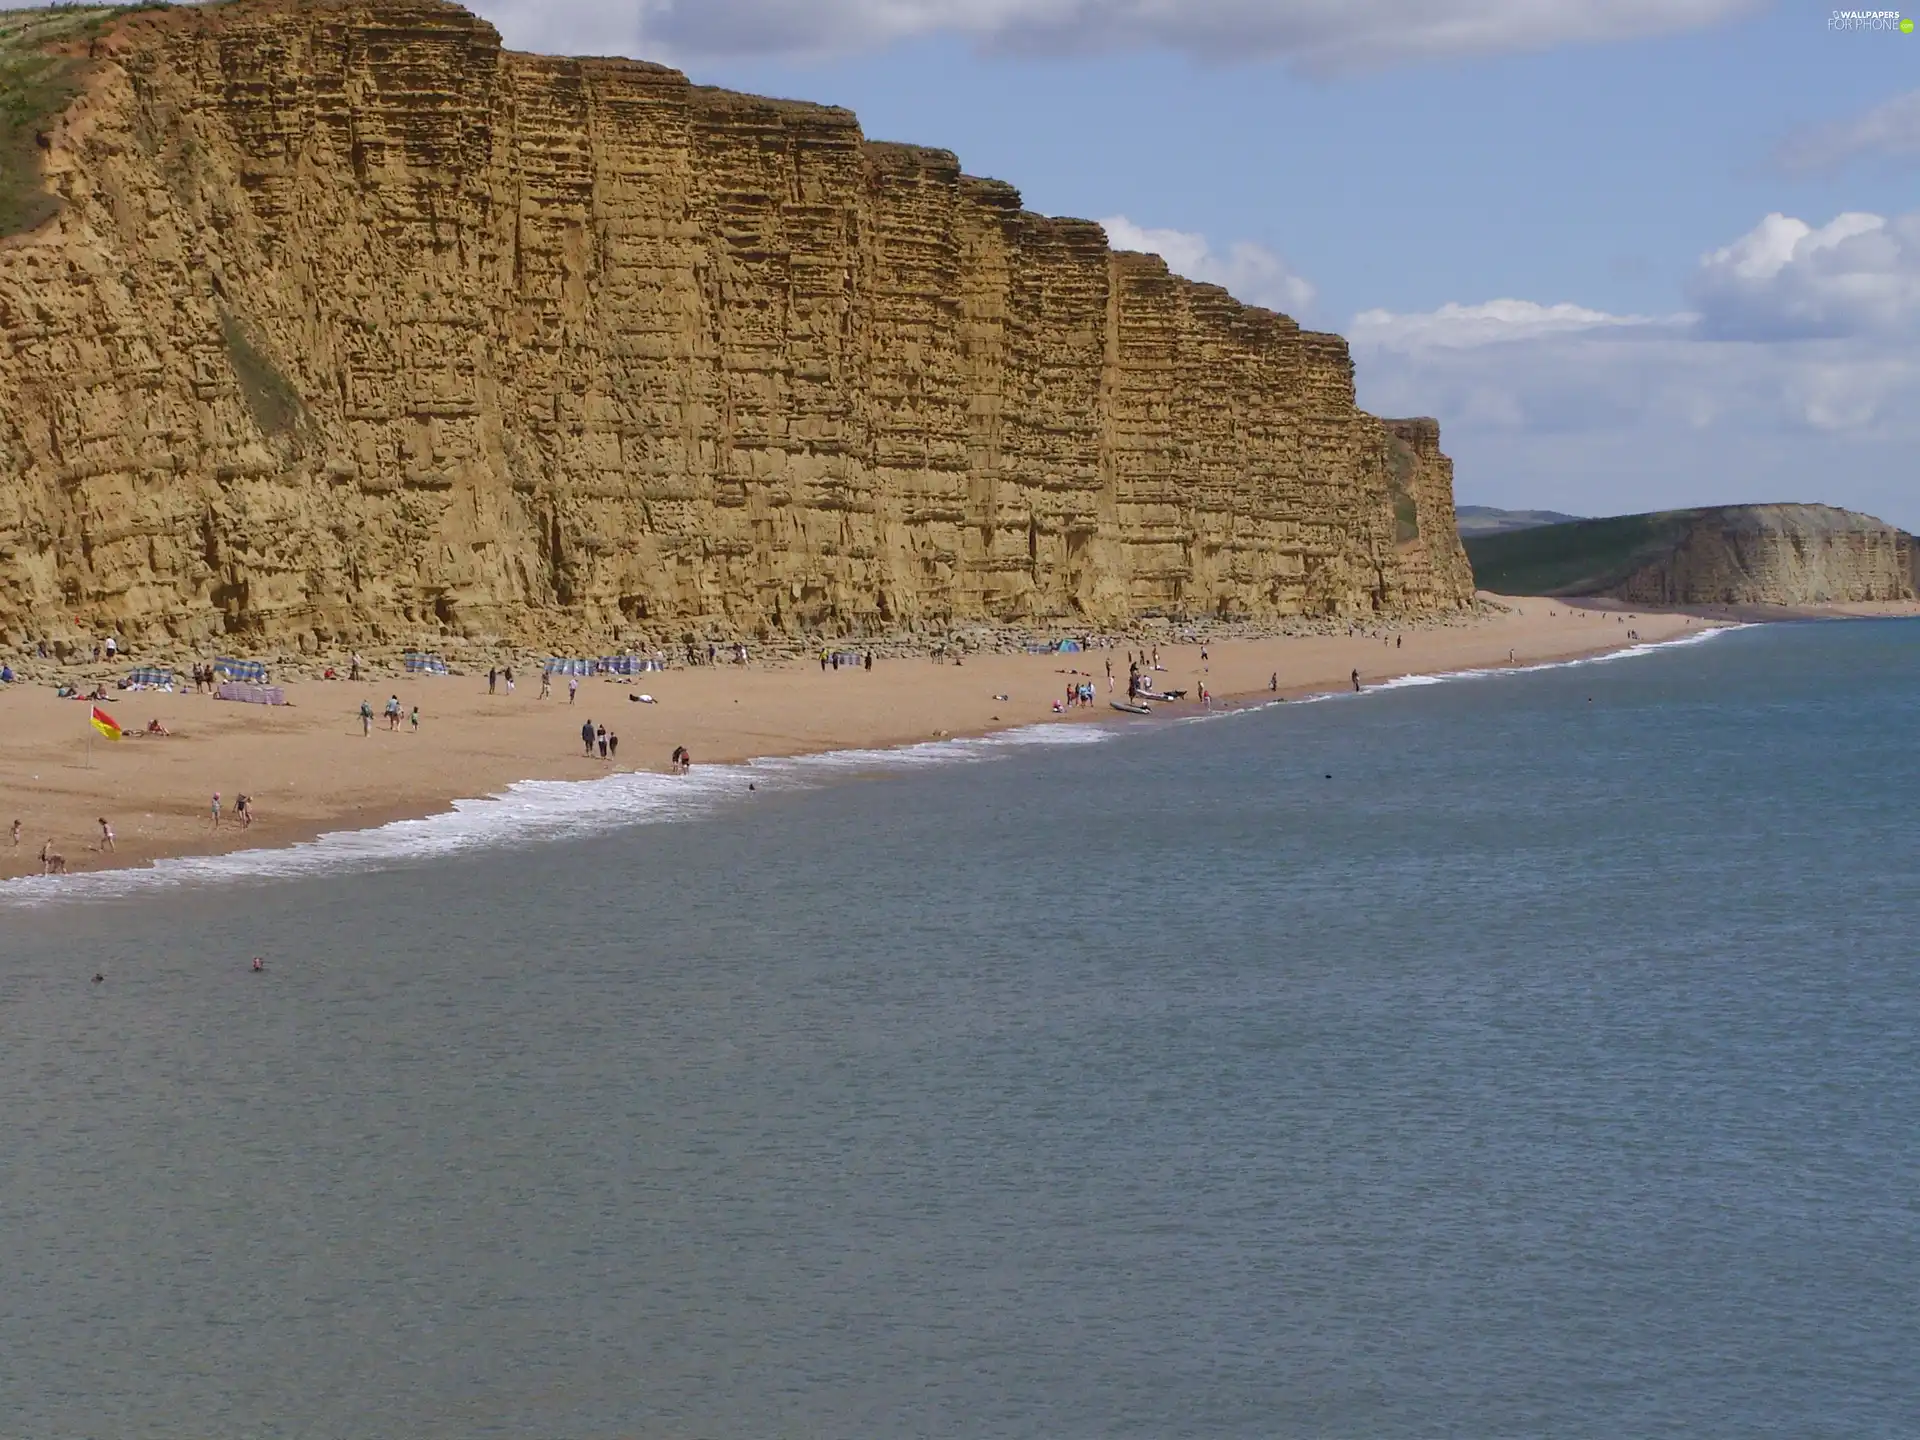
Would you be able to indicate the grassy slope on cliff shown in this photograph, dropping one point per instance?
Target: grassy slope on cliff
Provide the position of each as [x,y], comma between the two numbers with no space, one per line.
[39,77]
[1578,559]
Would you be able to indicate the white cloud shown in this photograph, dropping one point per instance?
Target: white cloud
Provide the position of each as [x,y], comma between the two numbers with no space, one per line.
[1796,376]
[1249,271]
[1312,34]
[1889,131]
[1454,326]
[1856,275]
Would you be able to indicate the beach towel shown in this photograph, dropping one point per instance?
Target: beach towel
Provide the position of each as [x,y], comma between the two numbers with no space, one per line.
[251,672]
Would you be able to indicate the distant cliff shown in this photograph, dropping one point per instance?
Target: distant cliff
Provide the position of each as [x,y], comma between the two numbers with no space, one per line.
[350,325]
[1733,555]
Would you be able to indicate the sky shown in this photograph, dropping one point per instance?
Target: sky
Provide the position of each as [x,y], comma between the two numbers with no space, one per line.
[1633,254]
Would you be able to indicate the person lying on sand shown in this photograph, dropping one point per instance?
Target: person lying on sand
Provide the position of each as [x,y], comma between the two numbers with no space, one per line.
[154,727]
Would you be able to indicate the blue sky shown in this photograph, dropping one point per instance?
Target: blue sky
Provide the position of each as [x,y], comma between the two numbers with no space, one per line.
[1390,170]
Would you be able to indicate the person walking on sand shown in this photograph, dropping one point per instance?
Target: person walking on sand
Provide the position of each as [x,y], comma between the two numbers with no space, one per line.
[414,719]
[50,863]
[16,834]
[546,685]
[586,738]
[215,809]
[353,667]
[243,807]
[613,746]
[493,678]
[573,688]
[106,835]
[600,737]
[393,712]
[1274,683]
[1356,682]
[366,717]
[507,675]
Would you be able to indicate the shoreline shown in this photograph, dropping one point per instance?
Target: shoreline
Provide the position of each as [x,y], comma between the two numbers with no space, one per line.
[313,775]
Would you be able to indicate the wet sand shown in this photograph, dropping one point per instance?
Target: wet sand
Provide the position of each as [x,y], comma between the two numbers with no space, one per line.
[309,769]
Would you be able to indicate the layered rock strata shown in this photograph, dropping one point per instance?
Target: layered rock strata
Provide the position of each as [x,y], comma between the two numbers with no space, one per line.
[354,326]
[1778,555]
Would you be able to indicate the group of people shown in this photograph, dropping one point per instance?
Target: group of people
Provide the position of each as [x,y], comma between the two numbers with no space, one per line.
[592,736]
[830,659]
[393,712]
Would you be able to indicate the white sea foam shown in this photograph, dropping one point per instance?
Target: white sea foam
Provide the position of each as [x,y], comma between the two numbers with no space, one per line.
[535,811]
[548,810]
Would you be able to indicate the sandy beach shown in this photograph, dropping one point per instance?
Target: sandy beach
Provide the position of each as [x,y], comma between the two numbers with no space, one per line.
[309,769]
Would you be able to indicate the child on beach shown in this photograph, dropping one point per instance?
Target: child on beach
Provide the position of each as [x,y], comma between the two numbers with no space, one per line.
[414,719]
[106,835]
[216,810]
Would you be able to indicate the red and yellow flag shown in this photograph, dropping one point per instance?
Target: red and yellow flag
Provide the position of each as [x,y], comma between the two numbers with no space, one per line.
[105,724]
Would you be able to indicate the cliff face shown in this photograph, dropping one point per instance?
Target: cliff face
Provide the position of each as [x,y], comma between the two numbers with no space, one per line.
[1779,555]
[1733,555]
[354,326]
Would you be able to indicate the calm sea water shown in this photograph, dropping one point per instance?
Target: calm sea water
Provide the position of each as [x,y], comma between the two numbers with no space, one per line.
[1530,1055]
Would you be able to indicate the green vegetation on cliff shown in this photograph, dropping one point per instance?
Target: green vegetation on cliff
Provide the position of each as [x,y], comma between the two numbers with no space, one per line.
[1586,557]
[39,77]
[1732,554]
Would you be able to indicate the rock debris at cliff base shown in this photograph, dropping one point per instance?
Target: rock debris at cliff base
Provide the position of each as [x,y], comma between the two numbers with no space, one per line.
[352,326]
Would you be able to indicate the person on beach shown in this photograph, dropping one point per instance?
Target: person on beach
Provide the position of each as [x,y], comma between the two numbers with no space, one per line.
[1109,675]
[573,688]
[413,719]
[393,713]
[586,737]
[1356,682]
[366,717]
[507,675]
[869,661]
[712,653]
[823,662]
[16,834]
[600,738]
[493,679]
[546,685]
[1274,683]
[106,835]
[613,746]
[1396,641]
[215,809]
[243,807]
[353,667]
[51,863]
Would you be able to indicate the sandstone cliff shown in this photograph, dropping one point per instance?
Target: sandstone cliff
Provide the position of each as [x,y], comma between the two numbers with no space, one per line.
[351,325]
[1732,555]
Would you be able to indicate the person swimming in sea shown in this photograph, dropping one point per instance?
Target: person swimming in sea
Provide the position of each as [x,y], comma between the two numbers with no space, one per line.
[258,964]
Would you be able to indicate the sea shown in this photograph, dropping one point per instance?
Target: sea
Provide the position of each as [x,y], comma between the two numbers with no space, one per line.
[1518,1054]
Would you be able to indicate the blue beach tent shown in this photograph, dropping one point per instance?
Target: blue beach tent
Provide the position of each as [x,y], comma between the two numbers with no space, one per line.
[247,672]
[420,662]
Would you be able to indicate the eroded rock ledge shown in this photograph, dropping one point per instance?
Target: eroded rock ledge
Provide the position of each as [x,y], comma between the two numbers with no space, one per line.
[354,325]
